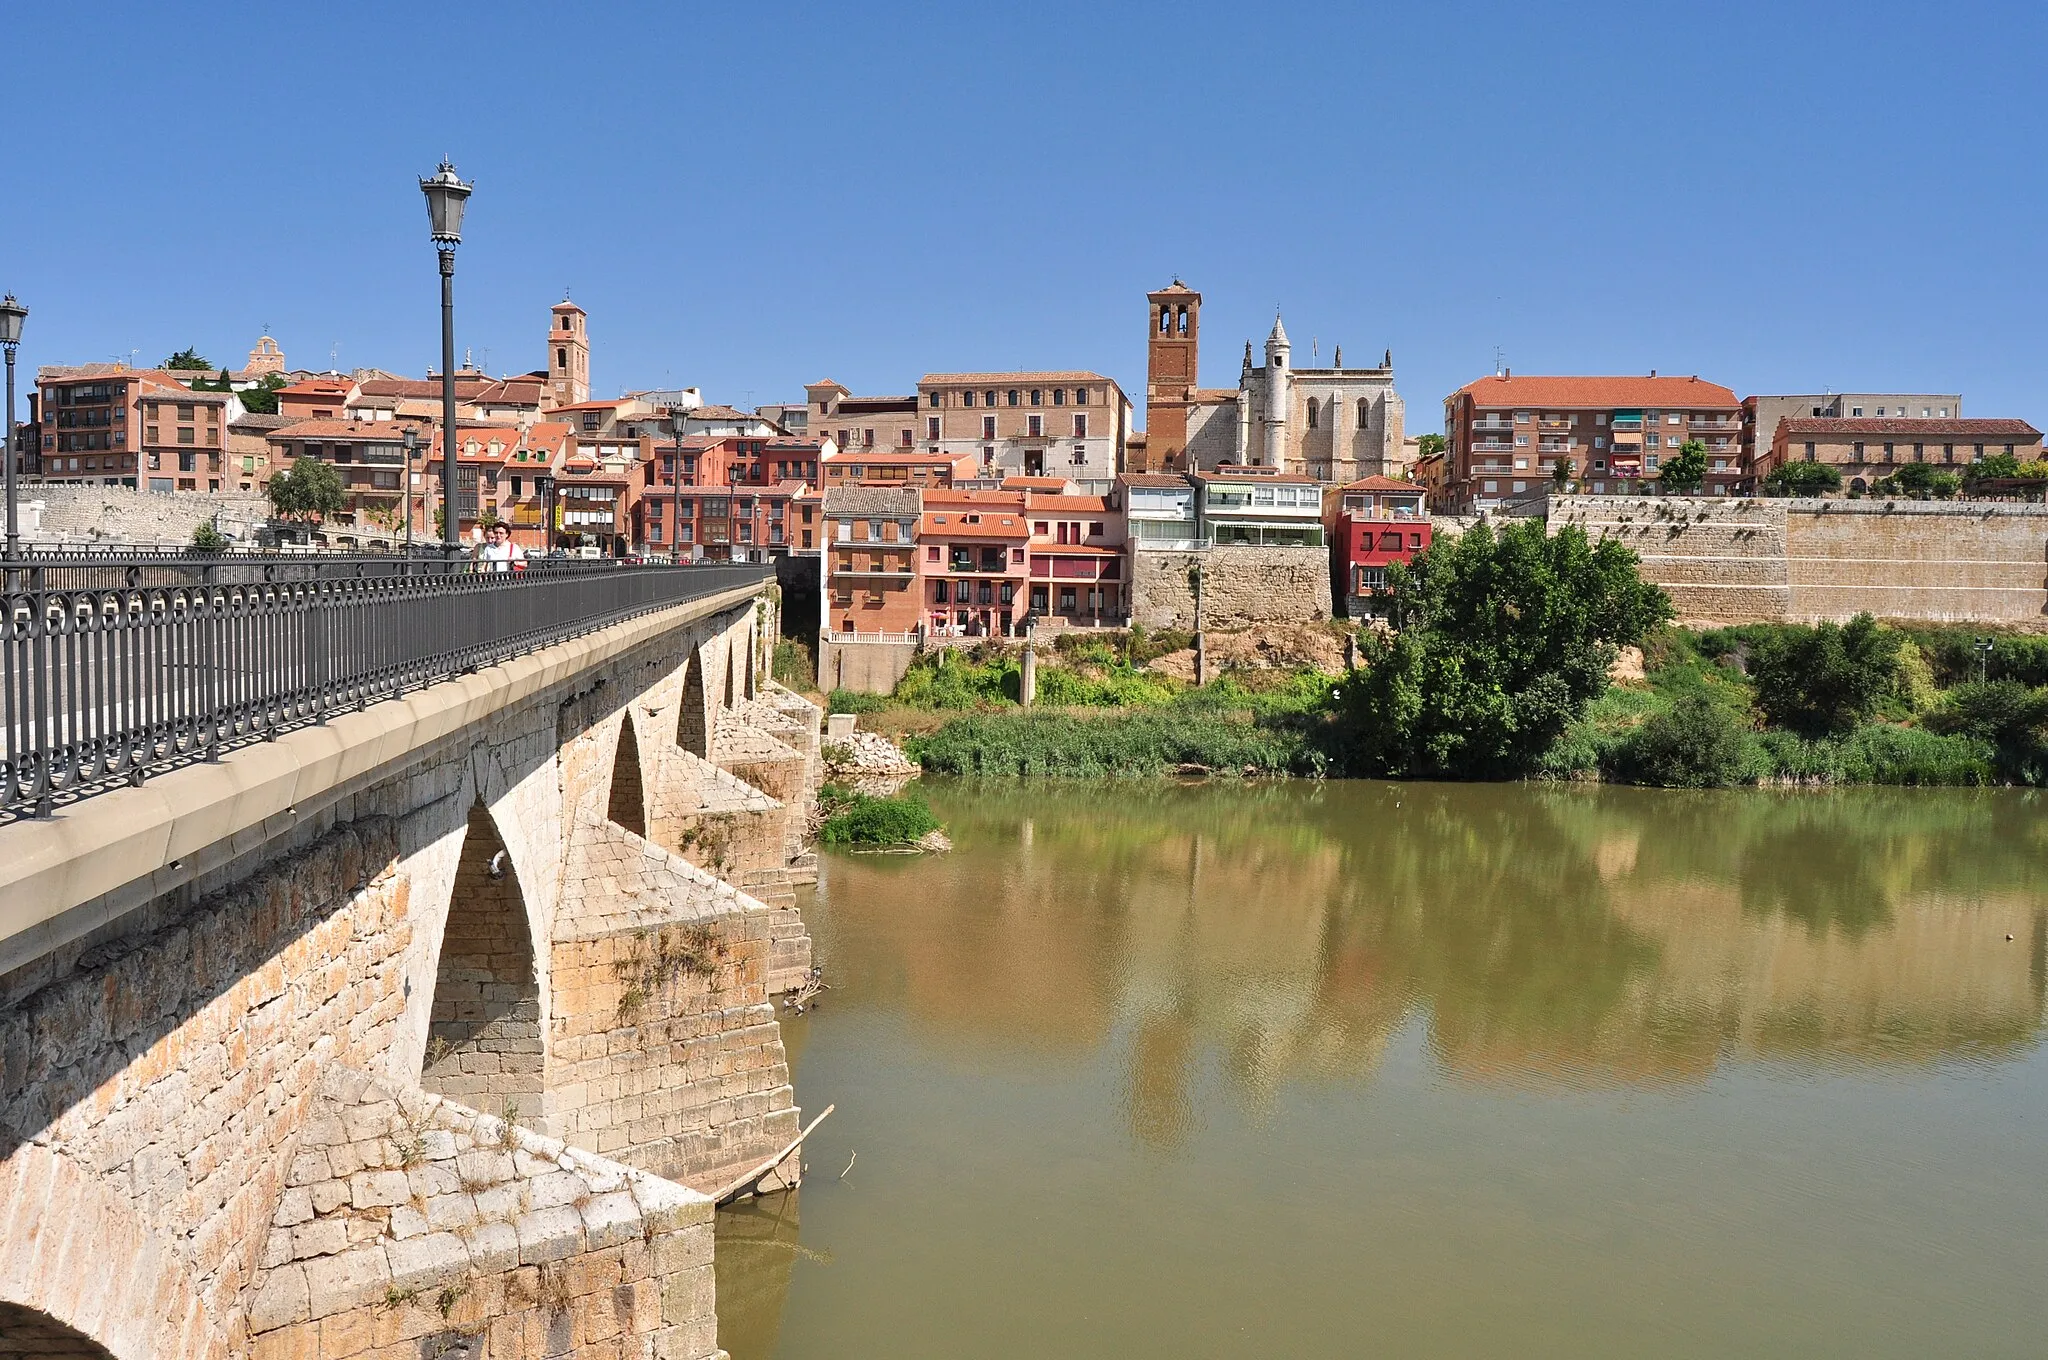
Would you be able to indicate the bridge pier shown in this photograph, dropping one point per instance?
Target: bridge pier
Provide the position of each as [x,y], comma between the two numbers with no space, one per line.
[470,983]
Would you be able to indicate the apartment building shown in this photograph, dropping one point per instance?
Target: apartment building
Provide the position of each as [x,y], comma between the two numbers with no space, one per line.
[184,439]
[248,462]
[974,550]
[370,459]
[91,422]
[1077,557]
[1068,424]
[869,562]
[1258,506]
[1868,448]
[1159,512]
[1372,524]
[1761,414]
[1506,436]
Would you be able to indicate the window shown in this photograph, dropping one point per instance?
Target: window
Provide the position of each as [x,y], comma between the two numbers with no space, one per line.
[931,554]
[1888,450]
[1034,425]
[844,529]
[935,402]
[931,427]
[1858,410]
[1944,413]
[1041,528]
[1600,418]
[1364,411]
[1014,396]
[1081,396]
[988,398]
[561,357]
[939,592]
[966,399]
[1059,396]
[1521,417]
[1521,441]
[1095,528]
[1858,447]
[1036,397]
[1490,486]
[1948,453]
[988,427]
[1311,413]
[1080,426]
[907,436]
[185,436]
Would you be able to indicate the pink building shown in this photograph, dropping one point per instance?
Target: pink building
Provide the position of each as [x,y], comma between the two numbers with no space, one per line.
[973,549]
[1077,558]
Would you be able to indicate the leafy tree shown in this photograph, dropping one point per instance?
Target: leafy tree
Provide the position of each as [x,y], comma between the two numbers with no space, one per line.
[262,398]
[1695,744]
[308,489]
[1504,640]
[1685,470]
[1429,445]
[206,538]
[1561,473]
[1803,479]
[2002,711]
[187,360]
[1992,465]
[1827,678]
[1945,485]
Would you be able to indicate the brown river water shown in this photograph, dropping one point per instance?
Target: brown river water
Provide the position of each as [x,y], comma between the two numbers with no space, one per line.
[1420,1070]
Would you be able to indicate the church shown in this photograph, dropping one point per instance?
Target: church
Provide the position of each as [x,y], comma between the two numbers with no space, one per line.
[1334,424]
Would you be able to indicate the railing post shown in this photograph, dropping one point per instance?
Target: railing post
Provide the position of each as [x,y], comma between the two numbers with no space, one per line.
[209,664]
[40,708]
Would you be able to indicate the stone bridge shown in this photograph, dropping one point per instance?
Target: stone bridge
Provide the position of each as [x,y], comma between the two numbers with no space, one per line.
[417,1032]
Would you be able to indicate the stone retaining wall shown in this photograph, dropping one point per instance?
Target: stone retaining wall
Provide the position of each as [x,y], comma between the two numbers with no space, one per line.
[1241,586]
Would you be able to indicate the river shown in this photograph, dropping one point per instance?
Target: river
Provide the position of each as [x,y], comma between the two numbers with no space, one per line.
[1336,1069]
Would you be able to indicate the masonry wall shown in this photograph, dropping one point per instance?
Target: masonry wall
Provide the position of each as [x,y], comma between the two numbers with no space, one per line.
[75,512]
[1241,586]
[1736,560]
[159,1074]
[863,667]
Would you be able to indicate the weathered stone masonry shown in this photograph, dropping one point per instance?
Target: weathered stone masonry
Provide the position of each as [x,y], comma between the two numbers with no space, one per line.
[217,1068]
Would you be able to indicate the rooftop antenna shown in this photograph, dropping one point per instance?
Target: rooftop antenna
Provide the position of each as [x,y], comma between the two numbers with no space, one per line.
[1313,353]
[1496,361]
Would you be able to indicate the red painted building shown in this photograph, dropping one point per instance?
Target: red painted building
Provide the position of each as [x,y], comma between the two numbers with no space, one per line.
[737,497]
[1373,523]
[974,561]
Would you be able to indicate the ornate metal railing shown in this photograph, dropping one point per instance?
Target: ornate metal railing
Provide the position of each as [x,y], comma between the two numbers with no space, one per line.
[113,667]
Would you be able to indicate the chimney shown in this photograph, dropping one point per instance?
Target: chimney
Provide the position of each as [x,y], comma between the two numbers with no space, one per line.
[1653,372]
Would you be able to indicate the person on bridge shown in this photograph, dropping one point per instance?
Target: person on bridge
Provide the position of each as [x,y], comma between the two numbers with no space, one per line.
[499,552]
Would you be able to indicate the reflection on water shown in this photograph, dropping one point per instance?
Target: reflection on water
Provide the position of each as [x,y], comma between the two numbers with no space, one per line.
[1205,973]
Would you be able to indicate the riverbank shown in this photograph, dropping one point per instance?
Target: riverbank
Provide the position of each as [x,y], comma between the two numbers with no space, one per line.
[1689,713]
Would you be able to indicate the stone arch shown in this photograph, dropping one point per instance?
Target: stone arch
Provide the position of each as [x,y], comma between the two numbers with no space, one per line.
[483,1031]
[731,663]
[753,657]
[626,803]
[26,1332]
[98,1277]
[693,729]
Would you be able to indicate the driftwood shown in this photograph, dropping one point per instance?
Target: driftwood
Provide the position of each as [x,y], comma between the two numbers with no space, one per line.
[806,995]
[753,1178]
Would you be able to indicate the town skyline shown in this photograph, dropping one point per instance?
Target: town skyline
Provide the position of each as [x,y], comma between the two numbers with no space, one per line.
[749,230]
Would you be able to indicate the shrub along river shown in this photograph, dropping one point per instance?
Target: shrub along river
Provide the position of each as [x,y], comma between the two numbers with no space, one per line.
[1421,1070]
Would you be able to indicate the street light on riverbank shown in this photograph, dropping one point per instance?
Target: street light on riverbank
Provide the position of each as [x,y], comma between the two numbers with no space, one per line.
[446,197]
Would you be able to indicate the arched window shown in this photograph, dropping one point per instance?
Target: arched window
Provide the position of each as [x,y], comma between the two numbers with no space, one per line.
[1311,413]
[1364,411]
[1183,321]
[1165,319]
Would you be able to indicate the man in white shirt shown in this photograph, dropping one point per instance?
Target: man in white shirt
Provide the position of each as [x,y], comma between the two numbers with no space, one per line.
[499,551]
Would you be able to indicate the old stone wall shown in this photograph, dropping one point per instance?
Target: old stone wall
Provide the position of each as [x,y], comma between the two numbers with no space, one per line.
[436,922]
[863,667]
[78,513]
[1241,586]
[1734,560]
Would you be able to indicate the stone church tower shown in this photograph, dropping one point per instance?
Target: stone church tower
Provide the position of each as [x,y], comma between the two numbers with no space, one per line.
[568,355]
[1273,419]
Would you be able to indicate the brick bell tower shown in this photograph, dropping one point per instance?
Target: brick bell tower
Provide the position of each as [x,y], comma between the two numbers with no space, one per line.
[568,355]
[1175,323]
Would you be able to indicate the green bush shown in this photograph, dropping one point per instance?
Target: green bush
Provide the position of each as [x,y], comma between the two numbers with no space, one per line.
[206,538]
[791,665]
[950,681]
[1952,651]
[1826,678]
[1802,479]
[2002,711]
[865,820]
[1879,753]
[853,701]
[1697,743]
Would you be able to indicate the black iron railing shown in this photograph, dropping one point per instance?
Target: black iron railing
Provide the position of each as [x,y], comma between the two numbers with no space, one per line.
[115,666]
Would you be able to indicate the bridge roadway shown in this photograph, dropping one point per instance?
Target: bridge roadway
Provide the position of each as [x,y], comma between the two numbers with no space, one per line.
[397,984]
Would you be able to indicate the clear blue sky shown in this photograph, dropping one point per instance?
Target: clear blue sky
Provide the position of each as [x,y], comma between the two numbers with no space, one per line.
[1781,197]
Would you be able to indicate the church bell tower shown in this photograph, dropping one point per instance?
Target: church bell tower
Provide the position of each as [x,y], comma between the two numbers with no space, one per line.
[1175,324]
[568,355]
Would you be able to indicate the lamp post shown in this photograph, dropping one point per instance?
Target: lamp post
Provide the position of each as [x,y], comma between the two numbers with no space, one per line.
[545,484]
[446,196]
[12,314]
[675,415]
[412,448]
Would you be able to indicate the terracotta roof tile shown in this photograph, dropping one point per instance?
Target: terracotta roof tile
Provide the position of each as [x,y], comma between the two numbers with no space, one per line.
[1025,376]
[1624,392]
[1963,428]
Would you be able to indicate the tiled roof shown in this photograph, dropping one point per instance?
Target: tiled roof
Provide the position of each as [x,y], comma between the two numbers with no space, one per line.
[365,431]
[872,500]
[1381,484]
[1029,376]
[260,420]
[1073,550]
[848,457]
[1625,392]
[1178,289]
[950,524]
[1055,485]
[1964,428]
[1158,479]
[872,406]
[1215,396]
[1232,473]
[1096,505]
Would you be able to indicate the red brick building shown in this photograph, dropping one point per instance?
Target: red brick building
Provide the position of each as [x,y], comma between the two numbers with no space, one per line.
[1866,449]
[974,555]
[1077,558]
[1506,436]
[1373,523]
[870,562]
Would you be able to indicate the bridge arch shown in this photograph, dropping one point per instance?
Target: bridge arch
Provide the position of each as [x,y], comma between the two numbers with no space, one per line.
[484,1026]
[99,1280]
[626,802]
[693,726]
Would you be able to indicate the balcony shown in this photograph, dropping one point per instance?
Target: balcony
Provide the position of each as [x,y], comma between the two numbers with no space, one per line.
[1502,424]
[1553,424]
[1492,446]
[1725,423]
[1633,423]
[1553,446]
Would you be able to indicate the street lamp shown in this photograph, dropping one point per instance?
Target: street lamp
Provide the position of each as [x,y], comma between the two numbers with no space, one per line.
[675,415]
[446,196]
[412,448]
[12,314]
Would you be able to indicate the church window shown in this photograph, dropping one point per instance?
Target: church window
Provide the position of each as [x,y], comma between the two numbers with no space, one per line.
[1183,321]
[561,358]
[1364,411]
[1312,413]
[1165,319]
